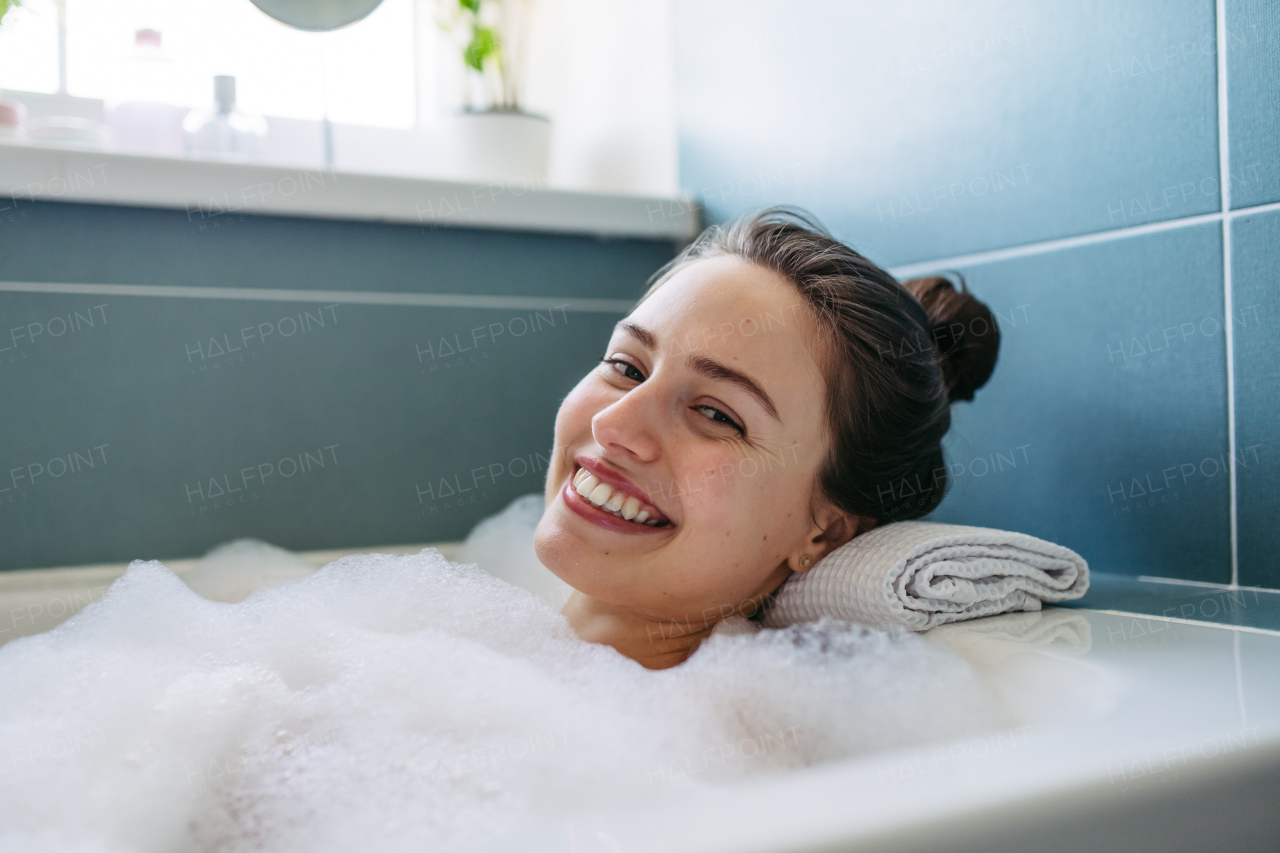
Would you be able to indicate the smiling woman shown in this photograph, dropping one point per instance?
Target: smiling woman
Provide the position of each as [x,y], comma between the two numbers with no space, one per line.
[736,431]
[744,422]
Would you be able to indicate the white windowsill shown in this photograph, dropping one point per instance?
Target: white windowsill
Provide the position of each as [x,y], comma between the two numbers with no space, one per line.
[208,189]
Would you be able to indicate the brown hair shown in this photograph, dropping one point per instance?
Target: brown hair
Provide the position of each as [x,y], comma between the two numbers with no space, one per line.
[897,355]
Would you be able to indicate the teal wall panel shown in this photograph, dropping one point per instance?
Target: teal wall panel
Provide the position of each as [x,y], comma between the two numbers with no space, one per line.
[155,427]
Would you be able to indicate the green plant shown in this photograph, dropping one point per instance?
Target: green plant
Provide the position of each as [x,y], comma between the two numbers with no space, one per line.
[6,5]
[490,37]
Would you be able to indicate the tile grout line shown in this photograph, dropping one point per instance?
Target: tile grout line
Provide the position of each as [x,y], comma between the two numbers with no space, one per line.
[1199,623]
[581,304]
[1224,184]
[1223,587]
[338,297]
[1045,246]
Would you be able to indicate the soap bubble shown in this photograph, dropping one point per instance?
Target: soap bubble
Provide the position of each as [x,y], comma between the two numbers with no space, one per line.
[409,702]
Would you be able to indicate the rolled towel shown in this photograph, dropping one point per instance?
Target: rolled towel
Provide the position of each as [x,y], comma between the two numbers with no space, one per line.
[921,574]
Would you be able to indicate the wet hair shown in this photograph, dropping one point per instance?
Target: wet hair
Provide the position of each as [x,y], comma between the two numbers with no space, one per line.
[896,356]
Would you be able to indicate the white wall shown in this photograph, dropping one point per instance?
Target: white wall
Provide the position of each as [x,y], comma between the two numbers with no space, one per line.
[603,71]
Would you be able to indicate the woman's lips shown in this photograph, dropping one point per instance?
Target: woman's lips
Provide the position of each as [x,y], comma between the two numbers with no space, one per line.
[611,504]
[614,494]
[584,508]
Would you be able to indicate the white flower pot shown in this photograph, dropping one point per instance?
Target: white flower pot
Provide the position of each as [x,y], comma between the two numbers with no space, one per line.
[497,146]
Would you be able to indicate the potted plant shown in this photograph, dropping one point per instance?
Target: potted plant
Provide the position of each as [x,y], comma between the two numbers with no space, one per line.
[491,138]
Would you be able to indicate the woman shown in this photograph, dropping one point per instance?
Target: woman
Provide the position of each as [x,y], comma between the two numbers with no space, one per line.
[758,408]
[753,413]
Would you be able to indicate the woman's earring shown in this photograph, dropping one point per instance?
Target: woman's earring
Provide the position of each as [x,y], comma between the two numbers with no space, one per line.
[805,561]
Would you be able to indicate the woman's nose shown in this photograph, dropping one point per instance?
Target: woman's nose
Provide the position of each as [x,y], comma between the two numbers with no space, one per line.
[627,425]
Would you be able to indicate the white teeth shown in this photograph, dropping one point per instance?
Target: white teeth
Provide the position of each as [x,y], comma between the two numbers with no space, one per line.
[586,485]
[604,496]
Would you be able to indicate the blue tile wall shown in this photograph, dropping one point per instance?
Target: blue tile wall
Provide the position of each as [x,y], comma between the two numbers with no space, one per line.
[1104,426]
[1021,144]
[129,245]
[930,128]
[145,427]
[1255,245]
[1253,95]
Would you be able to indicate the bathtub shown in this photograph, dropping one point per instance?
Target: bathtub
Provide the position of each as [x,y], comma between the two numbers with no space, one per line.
[1133,733]
[1151,736]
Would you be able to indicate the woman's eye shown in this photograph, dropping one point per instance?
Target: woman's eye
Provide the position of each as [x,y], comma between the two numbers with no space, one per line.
[626,369]
[714,414]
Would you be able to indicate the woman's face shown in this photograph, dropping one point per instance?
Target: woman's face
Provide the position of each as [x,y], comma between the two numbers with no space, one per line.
[708,417]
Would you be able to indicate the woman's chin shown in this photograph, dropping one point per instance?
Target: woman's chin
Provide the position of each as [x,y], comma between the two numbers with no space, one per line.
[557,547]
[575,551]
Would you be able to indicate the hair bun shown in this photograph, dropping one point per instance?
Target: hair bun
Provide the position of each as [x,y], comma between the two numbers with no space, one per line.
[964,330]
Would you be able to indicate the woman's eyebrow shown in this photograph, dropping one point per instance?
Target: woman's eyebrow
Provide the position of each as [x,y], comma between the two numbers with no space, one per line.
[646,337]
[715,370]
[708,367]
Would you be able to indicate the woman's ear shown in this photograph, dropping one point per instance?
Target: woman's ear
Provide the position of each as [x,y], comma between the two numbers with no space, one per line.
[831,530]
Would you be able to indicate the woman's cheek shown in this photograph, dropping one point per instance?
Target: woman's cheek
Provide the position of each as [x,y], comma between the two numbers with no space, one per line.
[568,438]
[714,496]
[588,398]
[571,411]
[718,568]
[762,505]
[730,480]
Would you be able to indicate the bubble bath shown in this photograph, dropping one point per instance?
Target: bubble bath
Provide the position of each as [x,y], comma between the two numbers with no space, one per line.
[396,703]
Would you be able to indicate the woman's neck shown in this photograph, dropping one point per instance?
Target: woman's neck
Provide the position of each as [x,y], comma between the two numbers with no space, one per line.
[653,642]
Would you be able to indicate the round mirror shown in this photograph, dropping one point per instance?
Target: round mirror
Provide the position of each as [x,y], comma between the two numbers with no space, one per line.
[317,15]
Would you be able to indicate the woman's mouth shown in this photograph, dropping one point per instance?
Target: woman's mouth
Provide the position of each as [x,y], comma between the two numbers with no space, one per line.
[615,501]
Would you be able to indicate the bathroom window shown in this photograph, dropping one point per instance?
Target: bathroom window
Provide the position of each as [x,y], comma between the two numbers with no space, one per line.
[29,48]
[361,75]
[386,83]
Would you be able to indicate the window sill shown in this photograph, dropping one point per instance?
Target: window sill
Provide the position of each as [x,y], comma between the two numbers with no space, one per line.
[209,188]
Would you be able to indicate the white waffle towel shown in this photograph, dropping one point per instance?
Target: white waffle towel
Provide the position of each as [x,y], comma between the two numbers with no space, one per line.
[921,574]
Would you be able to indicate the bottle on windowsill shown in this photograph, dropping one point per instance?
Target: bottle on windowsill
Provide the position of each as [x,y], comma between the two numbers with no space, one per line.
[222,130]
[146,104]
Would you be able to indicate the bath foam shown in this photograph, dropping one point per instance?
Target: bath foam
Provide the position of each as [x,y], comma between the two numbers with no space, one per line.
[398,703]
[502,545]
[233,571]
